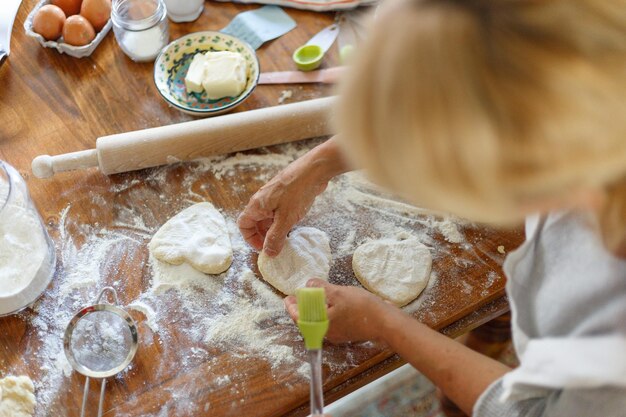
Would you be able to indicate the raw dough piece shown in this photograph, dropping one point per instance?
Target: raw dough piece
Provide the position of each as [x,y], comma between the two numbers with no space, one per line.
[396,270]
[198,236]
[306,255]
[17,398]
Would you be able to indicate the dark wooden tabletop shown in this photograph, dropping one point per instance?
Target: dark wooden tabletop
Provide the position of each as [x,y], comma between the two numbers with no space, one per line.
[52,103]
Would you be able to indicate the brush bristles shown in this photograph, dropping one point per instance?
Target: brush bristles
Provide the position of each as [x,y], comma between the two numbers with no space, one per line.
[311,304]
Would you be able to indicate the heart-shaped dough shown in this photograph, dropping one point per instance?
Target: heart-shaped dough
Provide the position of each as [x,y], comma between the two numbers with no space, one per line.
[396,270]
[306,255]
[198,236]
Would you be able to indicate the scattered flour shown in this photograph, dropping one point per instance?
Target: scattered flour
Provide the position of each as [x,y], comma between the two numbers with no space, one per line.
[147,311]
[492,276]
[234,312]
[225,167]
[450,231]
[285,95]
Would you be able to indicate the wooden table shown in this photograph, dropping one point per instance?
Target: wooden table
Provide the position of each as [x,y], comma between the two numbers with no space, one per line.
[52,103]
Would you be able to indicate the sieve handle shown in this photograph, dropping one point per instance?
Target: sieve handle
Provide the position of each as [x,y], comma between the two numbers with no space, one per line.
[85,392]
[112,291]
[101,403]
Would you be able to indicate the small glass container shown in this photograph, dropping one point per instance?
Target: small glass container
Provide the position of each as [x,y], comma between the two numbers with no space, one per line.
[27,254]
[141,28]
[184,10]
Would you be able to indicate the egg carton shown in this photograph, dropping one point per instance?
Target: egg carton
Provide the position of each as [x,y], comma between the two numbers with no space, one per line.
[62,47]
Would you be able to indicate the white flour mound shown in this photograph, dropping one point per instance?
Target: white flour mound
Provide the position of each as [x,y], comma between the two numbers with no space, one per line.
[246,319]
[17,398]
[396,270]
[306,255]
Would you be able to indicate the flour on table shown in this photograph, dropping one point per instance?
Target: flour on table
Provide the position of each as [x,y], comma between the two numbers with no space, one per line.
[166,276]
[396,270]
[306,255]
[147,311]
[197,236]
[284,95]
[17,398]
[450,231]
[181,305]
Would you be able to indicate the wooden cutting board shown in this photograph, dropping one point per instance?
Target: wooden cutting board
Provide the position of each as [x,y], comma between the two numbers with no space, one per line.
[187,375]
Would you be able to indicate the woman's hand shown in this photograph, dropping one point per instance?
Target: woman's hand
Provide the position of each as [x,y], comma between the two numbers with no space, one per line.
[278,206]
[355,315]
[285,200]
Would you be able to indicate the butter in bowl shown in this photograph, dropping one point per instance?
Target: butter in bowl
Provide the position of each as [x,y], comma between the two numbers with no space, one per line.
[73,27]
[206,73]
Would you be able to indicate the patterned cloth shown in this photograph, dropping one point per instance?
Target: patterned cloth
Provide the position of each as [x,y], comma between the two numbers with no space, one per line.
[315,5]
[403,392]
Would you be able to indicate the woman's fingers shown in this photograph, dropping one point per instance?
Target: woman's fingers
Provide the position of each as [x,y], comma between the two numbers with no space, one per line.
[292,307]
[253,223]
[277,235]
[331,290]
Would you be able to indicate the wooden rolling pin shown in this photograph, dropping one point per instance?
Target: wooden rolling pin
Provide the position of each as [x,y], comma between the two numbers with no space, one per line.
[196,139]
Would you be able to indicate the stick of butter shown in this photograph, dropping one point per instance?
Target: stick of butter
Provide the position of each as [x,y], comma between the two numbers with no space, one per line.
[226,74]
[220,74]
[195,74]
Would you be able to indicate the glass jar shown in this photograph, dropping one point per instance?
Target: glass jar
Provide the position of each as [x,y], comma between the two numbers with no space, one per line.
[141,28]
[27,254]
[184,10]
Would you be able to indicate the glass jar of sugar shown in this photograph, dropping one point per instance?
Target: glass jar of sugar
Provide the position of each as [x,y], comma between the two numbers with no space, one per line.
[27,255]
[141,28]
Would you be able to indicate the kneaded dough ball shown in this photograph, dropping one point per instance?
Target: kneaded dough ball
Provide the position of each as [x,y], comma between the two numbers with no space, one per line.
[306,255]
[197,236]
[17,398]
[396,270]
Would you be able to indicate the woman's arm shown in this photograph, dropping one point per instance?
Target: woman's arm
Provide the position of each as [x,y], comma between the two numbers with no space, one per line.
[357,315]
[461,373]
[286,198]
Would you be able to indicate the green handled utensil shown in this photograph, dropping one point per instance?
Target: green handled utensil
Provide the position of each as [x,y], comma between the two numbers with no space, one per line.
[313,324]
[309,56]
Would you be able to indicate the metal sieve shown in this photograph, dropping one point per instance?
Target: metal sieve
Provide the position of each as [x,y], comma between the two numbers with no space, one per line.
[100,341]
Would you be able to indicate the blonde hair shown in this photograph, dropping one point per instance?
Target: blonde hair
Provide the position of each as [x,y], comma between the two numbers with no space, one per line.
[477,107]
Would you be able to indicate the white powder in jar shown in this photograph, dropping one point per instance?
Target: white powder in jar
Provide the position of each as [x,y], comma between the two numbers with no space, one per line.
[144,45]
[23,250]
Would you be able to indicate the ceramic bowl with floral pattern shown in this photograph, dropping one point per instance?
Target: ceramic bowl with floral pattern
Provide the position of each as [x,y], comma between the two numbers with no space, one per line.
[173,62]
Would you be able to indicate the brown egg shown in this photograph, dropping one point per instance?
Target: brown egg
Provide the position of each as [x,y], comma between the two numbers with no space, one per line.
[48,22]
[69,7]
[78,31]
[97,12]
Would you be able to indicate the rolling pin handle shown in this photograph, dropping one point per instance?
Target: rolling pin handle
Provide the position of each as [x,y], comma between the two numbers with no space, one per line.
[45,166]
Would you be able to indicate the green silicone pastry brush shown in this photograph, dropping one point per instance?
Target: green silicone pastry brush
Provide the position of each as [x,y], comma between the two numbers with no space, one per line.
[313,324]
